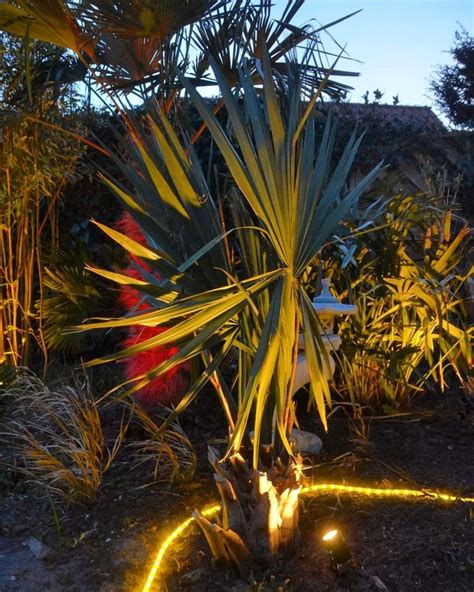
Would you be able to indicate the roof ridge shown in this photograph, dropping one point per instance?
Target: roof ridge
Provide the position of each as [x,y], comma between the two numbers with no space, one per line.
[378,105]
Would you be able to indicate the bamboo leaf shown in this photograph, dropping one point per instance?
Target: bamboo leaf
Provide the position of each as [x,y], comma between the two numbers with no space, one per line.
[440,265]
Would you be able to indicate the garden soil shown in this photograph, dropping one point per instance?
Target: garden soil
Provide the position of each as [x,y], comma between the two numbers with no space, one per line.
[397,545]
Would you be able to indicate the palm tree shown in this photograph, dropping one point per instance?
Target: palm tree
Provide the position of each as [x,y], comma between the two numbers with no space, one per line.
[226,294]
[137,47]
[245,301]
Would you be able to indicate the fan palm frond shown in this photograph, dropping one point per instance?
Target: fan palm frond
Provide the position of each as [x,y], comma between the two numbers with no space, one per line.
[156,20]
[137,45]
[238,33]
[46,20]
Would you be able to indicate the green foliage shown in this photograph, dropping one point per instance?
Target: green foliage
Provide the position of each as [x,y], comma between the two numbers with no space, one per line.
[453,87]
[31,72]
[237,292]
[70,296]
[36,163]
[407,284]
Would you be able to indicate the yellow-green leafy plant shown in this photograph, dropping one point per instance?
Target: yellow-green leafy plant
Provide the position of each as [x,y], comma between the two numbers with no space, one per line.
[236,294]
[410,331]
[36,163]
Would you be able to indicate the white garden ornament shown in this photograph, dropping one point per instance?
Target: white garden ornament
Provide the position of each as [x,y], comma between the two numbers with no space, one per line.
[327,307]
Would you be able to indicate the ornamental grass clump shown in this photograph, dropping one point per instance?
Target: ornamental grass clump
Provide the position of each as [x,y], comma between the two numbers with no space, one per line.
[57,439]
[168,456]
[235,297]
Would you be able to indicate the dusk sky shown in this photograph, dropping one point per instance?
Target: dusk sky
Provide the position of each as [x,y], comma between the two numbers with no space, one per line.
[400,42]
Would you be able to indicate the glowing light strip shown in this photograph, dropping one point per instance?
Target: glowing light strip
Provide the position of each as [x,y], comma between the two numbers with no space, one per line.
[167,544]
[424,494]
[374,492]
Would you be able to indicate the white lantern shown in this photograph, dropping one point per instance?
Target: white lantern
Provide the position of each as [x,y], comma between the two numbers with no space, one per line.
[326,307]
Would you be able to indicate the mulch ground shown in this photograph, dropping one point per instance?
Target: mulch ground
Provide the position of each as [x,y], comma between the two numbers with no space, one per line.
[400,546]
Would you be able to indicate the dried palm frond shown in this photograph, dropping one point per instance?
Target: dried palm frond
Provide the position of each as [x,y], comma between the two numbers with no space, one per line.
[141,42]
[143,64]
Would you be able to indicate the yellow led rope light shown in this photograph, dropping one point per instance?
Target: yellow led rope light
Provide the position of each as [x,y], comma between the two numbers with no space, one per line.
[373,491]
[425,494]
[167,544]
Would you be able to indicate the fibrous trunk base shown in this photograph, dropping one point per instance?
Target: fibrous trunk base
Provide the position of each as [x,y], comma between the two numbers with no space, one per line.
[259,518]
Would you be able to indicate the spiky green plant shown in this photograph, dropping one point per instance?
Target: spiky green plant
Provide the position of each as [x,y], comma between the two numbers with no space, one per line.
[70,294]
[245,301]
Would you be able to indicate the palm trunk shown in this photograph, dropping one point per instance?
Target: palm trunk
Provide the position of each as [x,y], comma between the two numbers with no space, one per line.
[259,518]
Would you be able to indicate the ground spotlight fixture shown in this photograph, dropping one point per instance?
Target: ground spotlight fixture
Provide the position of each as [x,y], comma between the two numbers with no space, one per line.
[339,553]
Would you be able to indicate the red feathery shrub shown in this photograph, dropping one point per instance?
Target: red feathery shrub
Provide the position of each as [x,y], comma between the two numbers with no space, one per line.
[170,387]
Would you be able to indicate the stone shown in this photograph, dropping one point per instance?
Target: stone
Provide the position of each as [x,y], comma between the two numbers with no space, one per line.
[306,442]
[303,442]
[39,549]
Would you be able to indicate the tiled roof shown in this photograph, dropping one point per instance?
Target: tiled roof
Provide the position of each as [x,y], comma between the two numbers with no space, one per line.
[391,113]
